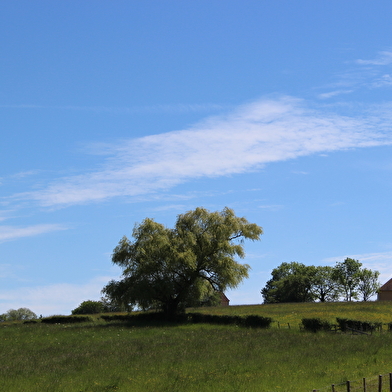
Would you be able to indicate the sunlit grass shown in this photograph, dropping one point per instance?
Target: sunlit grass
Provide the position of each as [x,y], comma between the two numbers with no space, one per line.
[293,313]
[115,357]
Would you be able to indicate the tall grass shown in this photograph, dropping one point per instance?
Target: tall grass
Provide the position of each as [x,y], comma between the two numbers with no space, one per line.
[115,357]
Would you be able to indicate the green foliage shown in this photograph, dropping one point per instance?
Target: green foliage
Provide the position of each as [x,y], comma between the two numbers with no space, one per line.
[66,319]
[296,282]
[346,274]
[291,282]
[324,286]
[368,284]
[89,307]
[316,324]
[116,317]
[202,294]
[153,318]
[144,318]
[18,315]
[356,325]
[214,319]
[173,268]
[113,305]
[253,321]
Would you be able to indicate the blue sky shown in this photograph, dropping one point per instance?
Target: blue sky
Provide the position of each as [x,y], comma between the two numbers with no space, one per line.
[113,111]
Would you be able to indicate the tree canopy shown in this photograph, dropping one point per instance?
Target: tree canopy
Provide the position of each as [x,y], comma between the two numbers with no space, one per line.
[296,282]
[347,274]
[90,307]
[290,282]
[171,267]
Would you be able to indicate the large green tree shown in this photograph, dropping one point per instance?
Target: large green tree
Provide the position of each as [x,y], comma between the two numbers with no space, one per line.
[368,284]
[324,286]
[347,276]
[290,282]
[167,267]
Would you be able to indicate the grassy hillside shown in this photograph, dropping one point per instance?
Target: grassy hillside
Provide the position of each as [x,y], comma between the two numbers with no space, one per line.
[293,313]
[101,356]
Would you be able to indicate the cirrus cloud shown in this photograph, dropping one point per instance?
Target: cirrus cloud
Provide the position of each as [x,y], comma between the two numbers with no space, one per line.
[8,233]
[243,140]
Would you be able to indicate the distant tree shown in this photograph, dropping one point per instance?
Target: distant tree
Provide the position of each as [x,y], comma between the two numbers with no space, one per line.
[324,286]
[89,307]
[347,276]
[19,314]
[290,282]
[368,283]
[164,267]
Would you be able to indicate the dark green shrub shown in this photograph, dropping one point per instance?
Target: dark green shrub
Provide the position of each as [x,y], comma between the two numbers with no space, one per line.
[230,320]
[356,325]
[116,317]
[196,317]
[66,319]
[248,321]
[257,321]
[147,318]
[316,324]
[342,323]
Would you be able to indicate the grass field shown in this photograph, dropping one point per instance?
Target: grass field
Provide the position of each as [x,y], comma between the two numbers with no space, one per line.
[101,356]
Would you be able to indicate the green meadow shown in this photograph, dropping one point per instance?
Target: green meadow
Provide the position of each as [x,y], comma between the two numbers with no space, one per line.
[108,356]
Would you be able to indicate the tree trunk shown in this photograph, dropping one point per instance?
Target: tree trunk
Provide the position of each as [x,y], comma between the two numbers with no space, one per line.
[171,309]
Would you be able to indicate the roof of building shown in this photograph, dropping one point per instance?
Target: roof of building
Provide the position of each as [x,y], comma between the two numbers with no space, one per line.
[224,298]
[387,286]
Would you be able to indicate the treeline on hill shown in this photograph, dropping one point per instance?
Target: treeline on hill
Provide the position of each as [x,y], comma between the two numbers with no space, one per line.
[296,282]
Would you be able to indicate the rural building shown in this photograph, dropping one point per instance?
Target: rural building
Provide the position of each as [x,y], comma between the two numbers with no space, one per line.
[225,301]
[385,292]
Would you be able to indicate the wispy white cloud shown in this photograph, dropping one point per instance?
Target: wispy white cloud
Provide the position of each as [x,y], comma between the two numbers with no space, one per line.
[271,207]
[370,74]
[4,214]
[383,80]
[334,93]
[8,233]
[24,174]
[244,140]
[58,298]
[383,58]
[170,207]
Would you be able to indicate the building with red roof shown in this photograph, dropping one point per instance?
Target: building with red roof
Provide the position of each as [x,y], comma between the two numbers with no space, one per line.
[385,292]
